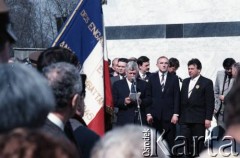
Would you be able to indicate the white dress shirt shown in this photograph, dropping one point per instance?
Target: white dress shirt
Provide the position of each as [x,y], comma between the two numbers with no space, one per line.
[160,76]
[192,85]
[54,119]
[142,75]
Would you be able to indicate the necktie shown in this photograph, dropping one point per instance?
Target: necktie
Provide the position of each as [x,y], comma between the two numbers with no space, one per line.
[133,88]
[144,77]
[162,82]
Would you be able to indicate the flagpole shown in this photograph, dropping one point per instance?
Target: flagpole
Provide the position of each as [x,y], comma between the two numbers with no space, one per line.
[67,23]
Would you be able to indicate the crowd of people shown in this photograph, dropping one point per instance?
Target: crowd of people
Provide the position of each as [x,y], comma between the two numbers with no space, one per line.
[42,107]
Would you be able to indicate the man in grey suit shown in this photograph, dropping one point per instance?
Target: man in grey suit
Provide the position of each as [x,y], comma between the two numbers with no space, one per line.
[223,85]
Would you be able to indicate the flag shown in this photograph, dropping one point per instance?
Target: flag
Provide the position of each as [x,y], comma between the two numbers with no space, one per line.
[83,33]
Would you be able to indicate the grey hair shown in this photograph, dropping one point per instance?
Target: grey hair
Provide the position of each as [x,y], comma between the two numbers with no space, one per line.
[25,97]
[131,66]
[236,65]
[123,142]
[65,80]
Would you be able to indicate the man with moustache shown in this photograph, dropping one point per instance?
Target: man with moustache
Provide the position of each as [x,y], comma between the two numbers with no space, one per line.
[143,65]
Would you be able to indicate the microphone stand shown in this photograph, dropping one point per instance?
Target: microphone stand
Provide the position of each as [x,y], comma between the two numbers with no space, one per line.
[138,105]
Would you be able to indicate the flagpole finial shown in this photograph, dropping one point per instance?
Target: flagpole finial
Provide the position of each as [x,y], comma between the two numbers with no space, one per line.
[104,2]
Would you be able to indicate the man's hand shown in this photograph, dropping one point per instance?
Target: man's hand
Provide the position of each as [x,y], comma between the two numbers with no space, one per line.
[221,97]
[174,119]
[149,119]
[207,123]
[127,101]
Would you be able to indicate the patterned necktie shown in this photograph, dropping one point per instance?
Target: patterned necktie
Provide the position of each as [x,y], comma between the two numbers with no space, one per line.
[133,88]
[162,82]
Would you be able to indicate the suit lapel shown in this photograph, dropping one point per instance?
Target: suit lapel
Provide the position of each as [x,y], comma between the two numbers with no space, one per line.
[196,87]
[168,80]
[185,88]
[157,82]
[125,87]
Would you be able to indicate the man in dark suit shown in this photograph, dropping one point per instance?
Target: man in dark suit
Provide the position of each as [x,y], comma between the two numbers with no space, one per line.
[143,65]
[128,105]
[197,105]
[66,83]
[165,93]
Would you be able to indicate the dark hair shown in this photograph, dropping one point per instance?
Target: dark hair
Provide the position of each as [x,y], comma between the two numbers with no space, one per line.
[125,60]
[173,62]
[4,18]
[142,59]
[22,143]
[56,54]
[109,62]
[196,62]
[84,78]
[228,62]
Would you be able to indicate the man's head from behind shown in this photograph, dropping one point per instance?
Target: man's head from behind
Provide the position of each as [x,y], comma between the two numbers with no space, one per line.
[25,97]
[56,54]
[125,142]
[66,83]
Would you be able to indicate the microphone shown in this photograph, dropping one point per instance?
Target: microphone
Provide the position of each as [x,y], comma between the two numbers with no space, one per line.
[133,80]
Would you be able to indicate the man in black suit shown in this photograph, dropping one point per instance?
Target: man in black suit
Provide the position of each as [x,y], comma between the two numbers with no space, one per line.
[66,83]
[197,105]
[128,106]
[165,92]
[143,65]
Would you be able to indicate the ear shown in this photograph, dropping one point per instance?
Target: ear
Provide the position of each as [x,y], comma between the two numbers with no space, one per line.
[75,100]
